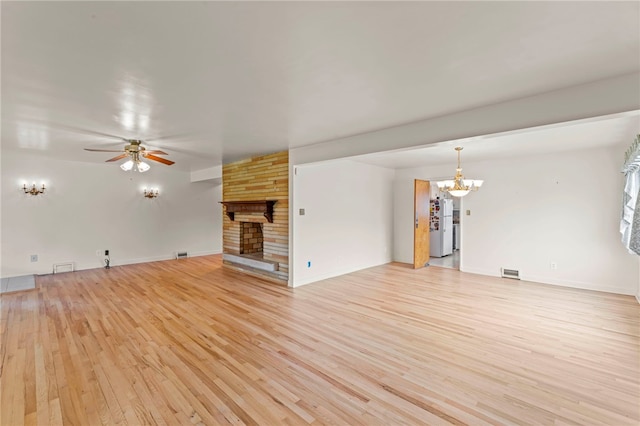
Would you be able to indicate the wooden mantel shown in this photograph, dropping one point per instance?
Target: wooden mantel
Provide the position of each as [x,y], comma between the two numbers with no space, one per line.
[262,206]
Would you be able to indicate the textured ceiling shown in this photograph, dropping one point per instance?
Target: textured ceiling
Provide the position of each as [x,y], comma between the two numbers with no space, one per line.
[212,82]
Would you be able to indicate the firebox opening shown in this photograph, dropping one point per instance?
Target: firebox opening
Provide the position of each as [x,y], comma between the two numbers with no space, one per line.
[251,239]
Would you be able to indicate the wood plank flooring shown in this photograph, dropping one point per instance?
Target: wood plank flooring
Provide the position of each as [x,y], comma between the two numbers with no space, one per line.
[191,342]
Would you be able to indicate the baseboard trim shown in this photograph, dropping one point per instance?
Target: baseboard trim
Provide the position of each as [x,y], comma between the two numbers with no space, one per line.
[161,258]
[123,262]
[204,253]
[335,273]
[579,284]
[559,282]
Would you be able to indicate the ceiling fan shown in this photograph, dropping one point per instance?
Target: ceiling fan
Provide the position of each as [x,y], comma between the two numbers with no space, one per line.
[134,150]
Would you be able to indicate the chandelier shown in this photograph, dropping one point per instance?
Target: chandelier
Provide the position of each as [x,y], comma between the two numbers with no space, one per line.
[459,186]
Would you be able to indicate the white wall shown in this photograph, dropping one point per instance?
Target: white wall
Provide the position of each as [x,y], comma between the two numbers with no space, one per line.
[213,174]
[89,207]
[348,221]
[562,208]
[403,218]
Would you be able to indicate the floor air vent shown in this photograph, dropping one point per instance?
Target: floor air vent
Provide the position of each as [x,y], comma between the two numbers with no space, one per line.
[510,273]
[181,255]
[63,267]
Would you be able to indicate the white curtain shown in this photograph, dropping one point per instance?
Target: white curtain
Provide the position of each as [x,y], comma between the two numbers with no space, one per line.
[630,221]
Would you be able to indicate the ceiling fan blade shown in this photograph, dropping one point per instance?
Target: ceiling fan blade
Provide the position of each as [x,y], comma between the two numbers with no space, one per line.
[172,136]
[156,152]
[119,157]
[103,150]
[158,159]
[72,129]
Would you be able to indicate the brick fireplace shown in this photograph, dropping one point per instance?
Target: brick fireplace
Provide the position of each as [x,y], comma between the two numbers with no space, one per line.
[251,238]
[255,235]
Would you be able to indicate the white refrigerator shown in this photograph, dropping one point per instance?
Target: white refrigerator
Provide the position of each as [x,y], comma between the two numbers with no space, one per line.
[441,228]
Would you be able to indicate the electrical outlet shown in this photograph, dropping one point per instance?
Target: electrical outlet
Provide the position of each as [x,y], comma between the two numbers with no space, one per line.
[34,257]
[98,252]
[106,252]
[553,266]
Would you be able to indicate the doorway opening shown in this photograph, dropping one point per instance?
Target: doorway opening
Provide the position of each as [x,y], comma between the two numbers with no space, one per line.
[445,225]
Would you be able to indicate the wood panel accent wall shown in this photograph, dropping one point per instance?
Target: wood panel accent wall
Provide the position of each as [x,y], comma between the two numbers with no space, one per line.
[260,178]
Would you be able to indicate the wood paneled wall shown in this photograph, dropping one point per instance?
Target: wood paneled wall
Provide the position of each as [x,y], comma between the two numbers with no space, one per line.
[260,178]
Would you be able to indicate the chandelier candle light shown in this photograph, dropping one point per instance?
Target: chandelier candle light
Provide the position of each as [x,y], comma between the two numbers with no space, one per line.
[459,186]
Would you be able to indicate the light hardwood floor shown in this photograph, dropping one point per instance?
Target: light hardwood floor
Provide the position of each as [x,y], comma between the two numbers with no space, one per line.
[188,341]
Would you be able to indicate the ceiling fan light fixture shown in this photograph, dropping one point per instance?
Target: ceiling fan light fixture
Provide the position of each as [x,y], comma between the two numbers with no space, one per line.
[127,165]
[142,166]
[135,164]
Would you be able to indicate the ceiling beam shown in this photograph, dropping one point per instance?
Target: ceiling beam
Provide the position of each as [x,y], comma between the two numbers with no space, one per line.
[604,97]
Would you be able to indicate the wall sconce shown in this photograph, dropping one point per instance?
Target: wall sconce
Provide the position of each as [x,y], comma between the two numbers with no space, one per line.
[151,193]
[33,190]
